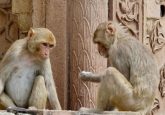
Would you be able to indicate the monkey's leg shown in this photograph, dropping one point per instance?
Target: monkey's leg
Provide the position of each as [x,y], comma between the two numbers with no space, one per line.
[120,91]
[6,101]
[103,99]
[38,96]
[103,102]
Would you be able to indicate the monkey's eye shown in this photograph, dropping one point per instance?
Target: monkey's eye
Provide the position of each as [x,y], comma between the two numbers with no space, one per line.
[51,46]
[44,44]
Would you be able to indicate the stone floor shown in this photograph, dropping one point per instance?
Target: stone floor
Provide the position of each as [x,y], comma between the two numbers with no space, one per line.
[53,112]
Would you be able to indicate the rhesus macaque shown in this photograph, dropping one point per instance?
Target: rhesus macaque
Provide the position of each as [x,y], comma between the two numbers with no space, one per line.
[26,78]
[131,81]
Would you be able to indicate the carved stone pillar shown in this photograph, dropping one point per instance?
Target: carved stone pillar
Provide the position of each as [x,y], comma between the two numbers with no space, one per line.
[52,15]
[84,17]
[56,15]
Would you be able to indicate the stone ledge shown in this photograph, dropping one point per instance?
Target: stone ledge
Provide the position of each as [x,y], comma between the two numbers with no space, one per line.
[65,112]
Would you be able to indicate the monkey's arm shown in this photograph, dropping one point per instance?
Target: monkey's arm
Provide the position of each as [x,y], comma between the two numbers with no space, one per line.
[5,66]
[13,51]
[8,60]
[50,85]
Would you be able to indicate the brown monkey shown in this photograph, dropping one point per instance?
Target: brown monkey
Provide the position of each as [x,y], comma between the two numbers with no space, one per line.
[25,72]
[131,81]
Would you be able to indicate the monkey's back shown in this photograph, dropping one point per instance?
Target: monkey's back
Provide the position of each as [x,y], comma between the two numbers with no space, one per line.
[136,63]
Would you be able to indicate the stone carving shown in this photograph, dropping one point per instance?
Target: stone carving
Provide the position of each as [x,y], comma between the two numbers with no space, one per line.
[128,14]
[157,38]
[159,1]
[162,81]
[8,26]
[156,106]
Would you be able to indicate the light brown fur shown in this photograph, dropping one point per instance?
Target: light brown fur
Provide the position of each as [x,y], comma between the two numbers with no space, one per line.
[131,81]
[25,72]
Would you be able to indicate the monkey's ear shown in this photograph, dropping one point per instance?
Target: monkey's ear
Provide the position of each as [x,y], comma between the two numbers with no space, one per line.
[110,29]
[31,33]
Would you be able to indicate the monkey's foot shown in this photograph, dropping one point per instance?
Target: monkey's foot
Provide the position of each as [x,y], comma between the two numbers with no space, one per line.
[16,110]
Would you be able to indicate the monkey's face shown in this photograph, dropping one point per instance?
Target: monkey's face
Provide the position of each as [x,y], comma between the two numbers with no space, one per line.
[102,42]
[102,50]
[44,50]
[40,42]
[104,37]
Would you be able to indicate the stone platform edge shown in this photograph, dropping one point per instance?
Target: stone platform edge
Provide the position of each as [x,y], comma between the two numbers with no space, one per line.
[68,112]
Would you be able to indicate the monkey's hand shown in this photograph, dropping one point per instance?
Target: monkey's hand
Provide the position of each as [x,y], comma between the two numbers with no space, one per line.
[85,76]
[89,76]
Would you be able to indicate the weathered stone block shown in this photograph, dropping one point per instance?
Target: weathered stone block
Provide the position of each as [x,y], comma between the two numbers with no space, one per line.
[4,1]
[24,21]
[21,6]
